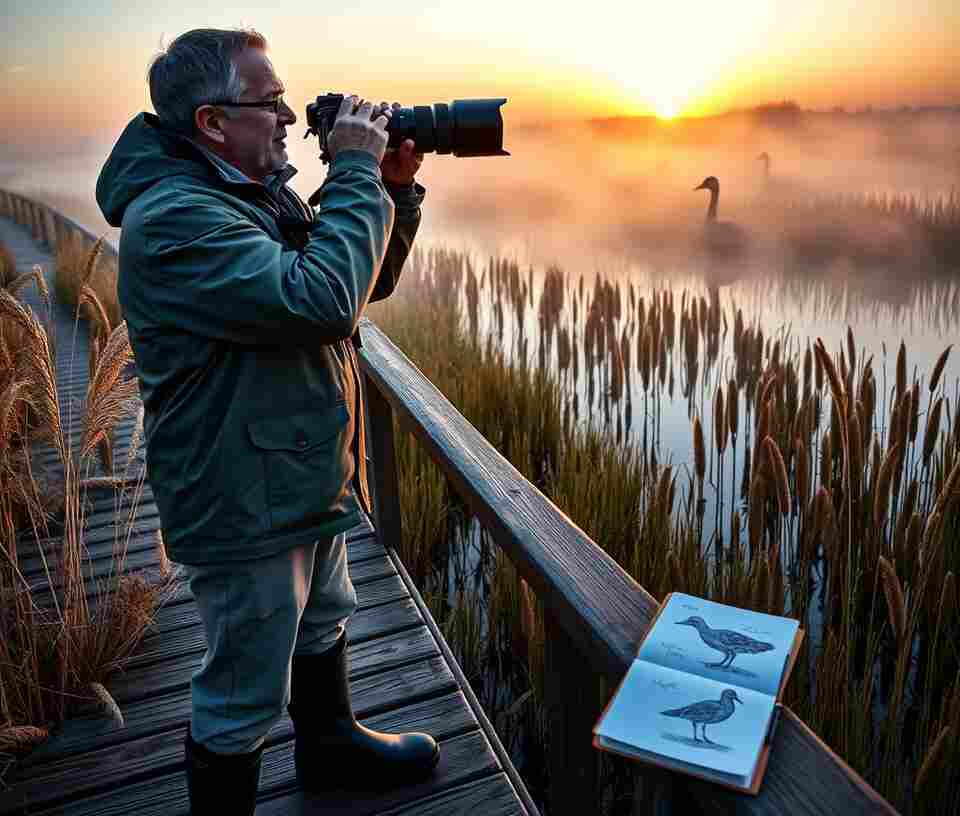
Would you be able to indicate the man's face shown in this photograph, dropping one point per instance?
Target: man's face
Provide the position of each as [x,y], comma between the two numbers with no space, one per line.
[253,137]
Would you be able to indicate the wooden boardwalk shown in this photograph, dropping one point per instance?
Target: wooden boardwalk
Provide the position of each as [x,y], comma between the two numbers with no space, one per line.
[402,675]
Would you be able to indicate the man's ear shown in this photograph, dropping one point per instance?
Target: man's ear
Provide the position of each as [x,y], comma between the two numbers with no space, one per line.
[209,122]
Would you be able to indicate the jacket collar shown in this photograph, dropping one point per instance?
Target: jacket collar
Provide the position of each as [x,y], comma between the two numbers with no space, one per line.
[224,170]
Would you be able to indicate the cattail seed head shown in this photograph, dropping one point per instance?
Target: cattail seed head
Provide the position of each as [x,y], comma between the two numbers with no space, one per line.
[938,368]
[932,431]
[901,370]
[882,498]
[699,450]
[719,421]
[779,468]
[896,606]
[733,407]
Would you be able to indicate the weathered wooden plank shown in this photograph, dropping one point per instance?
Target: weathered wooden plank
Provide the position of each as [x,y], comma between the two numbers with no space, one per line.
[602,610]
[493,796]
[462,759]
[102,545]
[381,653]
[572,709]
[371,696]
[109,768]
[367,570]
[485,725]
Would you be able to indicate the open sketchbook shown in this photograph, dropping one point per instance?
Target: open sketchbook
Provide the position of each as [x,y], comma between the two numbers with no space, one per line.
[701,695]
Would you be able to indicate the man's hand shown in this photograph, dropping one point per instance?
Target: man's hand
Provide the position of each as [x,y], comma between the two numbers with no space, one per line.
[399,165]
[359,126]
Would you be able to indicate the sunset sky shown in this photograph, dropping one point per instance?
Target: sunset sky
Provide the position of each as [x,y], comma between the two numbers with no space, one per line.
[77,70]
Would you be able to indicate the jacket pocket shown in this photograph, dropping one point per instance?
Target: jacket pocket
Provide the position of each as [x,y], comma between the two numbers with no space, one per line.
[307,464]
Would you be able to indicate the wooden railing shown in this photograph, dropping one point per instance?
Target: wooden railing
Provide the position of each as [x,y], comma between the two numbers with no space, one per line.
[595,612]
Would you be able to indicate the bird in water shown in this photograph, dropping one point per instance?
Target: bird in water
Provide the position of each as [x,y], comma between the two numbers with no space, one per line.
[706,712]
[721,238]
[725,640]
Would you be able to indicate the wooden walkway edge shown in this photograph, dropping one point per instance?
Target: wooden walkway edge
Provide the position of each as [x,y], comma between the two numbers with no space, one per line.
[403,676]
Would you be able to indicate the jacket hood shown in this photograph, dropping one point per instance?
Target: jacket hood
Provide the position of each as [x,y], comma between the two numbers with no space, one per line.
[147,153]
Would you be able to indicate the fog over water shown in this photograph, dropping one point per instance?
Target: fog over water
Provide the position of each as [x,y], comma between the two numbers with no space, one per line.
[616,198]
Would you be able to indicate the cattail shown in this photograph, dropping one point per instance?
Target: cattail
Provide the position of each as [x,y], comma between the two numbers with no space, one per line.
[826,459]
[882,498]
[733,407]
[719,421]
[779,468]
[836,386]
[851,349]
[938,368]
[699,450]
[932,430]
[735,531]
[896,607]
[931,761]
[901,370]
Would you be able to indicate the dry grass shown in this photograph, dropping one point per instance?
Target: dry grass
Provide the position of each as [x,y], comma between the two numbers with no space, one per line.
[60,637]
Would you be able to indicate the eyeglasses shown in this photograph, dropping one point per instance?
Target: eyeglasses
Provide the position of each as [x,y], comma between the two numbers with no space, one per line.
[272,105]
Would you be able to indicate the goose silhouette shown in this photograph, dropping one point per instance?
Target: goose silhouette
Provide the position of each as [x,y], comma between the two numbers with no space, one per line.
[706,712]
[722,239]
[725,640]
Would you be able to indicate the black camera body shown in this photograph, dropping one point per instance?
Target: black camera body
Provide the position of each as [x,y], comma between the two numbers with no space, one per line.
[466,127]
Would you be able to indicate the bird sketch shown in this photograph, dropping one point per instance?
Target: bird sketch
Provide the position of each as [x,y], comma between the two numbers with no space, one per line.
[706,712]
[725,640]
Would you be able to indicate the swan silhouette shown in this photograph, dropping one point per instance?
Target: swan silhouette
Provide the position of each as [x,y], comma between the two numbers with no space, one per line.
[721,238]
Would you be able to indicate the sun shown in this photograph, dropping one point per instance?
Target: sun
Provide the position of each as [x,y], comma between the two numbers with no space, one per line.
[666,108]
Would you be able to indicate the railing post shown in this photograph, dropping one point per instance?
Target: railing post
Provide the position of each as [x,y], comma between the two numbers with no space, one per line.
[386,483]
[574,694]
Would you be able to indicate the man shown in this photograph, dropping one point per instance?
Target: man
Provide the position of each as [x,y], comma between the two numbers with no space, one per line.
[241,305]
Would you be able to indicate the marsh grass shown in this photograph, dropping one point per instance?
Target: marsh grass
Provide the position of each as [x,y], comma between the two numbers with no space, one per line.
[79,264]
[62,636]
[843,512]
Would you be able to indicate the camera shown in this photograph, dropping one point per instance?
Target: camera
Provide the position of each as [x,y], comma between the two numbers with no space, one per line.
[466,127]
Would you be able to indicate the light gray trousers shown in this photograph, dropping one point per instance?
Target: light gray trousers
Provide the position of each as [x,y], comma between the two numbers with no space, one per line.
[256,615]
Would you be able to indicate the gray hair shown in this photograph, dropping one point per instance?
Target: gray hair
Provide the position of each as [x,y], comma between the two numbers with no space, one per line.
[197,69]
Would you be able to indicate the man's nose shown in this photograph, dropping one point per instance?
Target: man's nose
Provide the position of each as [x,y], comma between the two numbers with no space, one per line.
[286,114]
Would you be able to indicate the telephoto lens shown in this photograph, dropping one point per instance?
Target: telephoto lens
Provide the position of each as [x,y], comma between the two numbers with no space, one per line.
[466,127]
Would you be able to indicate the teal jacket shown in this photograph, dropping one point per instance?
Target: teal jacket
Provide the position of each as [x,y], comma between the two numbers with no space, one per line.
[242,307]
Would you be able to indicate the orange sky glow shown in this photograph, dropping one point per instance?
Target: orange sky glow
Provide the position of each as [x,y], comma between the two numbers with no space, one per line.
[81,74]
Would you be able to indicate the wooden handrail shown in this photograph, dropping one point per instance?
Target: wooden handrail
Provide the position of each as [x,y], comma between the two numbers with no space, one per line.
[596,612]
[602,611]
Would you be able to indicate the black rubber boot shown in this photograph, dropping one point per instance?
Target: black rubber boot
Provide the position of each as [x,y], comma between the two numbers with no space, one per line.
[221,783]
[332,749]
